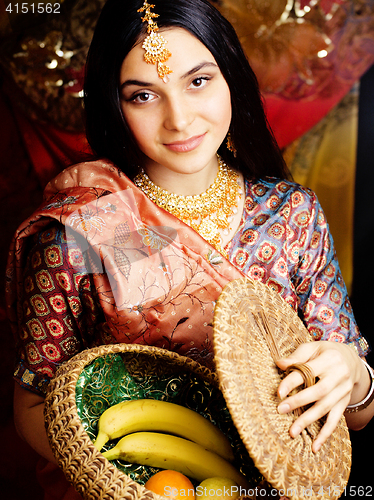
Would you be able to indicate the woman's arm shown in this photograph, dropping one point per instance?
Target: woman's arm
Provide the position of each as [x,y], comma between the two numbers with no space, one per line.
[29,421]
[342,379]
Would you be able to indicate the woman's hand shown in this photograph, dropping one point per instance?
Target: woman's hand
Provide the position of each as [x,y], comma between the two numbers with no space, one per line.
[29,421]
[342,379]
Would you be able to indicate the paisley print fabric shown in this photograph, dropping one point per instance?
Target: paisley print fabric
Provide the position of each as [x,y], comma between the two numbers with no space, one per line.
[66,304]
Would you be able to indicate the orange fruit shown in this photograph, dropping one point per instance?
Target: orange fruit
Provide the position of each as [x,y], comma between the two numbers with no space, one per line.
[171,484]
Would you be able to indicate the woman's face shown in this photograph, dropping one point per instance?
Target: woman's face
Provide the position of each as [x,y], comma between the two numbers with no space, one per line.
[178,125]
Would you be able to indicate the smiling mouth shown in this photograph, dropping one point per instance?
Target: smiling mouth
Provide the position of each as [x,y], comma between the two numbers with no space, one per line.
[187,145]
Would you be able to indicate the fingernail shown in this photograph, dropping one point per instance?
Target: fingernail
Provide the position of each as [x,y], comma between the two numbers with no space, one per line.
[316,447]
[295,431]
[284,408]
[282,393]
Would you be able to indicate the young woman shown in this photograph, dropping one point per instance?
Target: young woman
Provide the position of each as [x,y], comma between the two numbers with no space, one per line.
[187,176]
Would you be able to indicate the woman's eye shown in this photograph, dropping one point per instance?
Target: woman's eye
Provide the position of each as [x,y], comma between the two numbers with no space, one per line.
[143,97]
[199,82]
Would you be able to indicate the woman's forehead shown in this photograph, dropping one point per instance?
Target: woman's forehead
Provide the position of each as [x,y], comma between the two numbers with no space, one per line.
[186,53]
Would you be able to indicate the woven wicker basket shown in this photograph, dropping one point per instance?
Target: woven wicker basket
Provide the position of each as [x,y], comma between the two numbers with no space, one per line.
[92,475]
[253,326]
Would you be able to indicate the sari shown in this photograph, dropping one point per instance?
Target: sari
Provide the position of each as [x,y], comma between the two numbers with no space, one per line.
[154,279]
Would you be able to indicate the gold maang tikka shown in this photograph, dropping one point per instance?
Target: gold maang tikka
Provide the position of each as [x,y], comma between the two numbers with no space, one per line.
[155,44]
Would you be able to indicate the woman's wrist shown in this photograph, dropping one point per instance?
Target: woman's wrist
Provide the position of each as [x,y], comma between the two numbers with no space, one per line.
[368,399]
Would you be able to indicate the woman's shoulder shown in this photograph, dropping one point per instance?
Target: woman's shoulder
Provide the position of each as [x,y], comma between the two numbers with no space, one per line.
[53,233]
[271,197]
[47,245]
[87,174]
[273,185]
[52,248]
[274,192]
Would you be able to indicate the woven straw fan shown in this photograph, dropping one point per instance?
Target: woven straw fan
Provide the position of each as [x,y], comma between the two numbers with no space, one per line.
[253,326]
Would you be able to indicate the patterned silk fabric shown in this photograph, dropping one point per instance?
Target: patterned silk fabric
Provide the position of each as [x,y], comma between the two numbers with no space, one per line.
[134,273]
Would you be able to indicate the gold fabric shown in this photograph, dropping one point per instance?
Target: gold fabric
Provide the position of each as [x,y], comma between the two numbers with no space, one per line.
[324,159]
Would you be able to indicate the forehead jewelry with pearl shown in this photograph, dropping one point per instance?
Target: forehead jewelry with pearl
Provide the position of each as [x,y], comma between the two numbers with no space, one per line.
[155,44]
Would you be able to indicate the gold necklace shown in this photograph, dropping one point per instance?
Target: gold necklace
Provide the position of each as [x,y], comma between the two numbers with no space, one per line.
[206,213]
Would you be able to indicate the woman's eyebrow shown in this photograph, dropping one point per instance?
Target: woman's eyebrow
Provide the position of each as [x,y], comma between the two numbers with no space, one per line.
[198,68]
[138,83]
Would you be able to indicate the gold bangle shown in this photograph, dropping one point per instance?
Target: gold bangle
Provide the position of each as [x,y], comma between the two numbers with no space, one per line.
[368,399]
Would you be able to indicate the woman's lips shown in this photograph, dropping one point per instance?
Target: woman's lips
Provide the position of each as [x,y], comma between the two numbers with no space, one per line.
[187,145]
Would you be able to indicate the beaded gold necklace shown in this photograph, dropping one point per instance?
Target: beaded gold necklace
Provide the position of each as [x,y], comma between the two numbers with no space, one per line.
[206,213]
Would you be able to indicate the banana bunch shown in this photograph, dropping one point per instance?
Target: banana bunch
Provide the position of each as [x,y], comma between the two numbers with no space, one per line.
[171,452]
[154,415]
[169,436]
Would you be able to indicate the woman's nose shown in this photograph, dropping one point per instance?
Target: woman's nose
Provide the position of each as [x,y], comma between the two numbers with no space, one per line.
[178,114]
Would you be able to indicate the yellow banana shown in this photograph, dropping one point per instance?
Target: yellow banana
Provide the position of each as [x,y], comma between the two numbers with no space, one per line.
[154,415]
[171,452]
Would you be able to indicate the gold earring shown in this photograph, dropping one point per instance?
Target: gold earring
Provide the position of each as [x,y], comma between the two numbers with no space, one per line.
[230,145]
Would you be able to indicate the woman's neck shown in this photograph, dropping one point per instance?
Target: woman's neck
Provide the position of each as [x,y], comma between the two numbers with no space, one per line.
[190,182]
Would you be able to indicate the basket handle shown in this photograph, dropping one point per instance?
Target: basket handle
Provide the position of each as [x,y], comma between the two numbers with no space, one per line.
[305,371]
[308,377]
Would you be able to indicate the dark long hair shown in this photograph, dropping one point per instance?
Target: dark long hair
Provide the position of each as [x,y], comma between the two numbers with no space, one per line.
[119,28]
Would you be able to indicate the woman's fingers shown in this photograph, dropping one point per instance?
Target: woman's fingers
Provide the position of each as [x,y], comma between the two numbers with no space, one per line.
[304,354]
[289,383]
[329,405]
[328,397]
[328,428]
[327,366]
[320,395]
[301,399]
[332,405]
